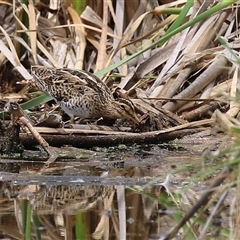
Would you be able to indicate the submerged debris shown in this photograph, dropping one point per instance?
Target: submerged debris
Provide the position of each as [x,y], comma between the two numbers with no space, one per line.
[19,118]
[9,138]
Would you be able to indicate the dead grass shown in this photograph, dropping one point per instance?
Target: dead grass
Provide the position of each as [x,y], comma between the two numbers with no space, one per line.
[128,44]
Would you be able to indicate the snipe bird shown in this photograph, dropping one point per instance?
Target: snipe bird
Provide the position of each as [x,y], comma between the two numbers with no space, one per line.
[82,94]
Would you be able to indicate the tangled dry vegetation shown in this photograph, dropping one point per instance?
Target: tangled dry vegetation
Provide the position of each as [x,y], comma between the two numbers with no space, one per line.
[174,67]
[181,72]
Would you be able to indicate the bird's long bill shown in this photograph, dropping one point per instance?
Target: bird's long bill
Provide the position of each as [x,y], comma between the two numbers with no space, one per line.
[135,119]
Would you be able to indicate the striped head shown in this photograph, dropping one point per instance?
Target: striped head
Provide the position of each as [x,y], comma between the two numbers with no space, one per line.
[122,108]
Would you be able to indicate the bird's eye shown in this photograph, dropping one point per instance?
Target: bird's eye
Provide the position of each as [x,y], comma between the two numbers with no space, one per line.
[122,106]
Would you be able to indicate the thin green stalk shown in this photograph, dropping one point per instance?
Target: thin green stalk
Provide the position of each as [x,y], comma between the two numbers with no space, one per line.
[170,11]
[179,20]
[80,226]
[79,5]
[36,224]
[24,205]
[233,54]
[26,217]
[36,101]
[28,222]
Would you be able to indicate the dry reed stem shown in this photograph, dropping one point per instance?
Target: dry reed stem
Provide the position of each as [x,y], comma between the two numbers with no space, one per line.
[80,38]
[210,74]
[101,59]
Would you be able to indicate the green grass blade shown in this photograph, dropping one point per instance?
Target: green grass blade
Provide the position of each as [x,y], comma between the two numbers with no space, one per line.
[43,98]
[36,224]
[169,11]
[28,222]
[80,227]
[24,214]
[79,5]
[181,16]
[26,218]
[233,54]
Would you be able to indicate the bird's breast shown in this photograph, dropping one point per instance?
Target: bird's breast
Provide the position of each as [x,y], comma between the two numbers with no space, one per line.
[82,111]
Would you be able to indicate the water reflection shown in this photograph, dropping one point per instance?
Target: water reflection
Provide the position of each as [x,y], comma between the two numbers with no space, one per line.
[81,200]
[59,212]
[80,211]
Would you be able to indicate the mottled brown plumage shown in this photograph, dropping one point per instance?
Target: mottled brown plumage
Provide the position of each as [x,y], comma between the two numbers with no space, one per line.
[82,94]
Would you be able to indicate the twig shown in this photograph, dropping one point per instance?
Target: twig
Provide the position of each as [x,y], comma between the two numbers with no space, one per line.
[18,115]
[78,140]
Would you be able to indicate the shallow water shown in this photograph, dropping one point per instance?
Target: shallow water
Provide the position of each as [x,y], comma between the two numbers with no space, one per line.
[118,193]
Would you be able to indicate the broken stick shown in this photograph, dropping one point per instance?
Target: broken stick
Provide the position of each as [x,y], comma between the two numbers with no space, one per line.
[18,115]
